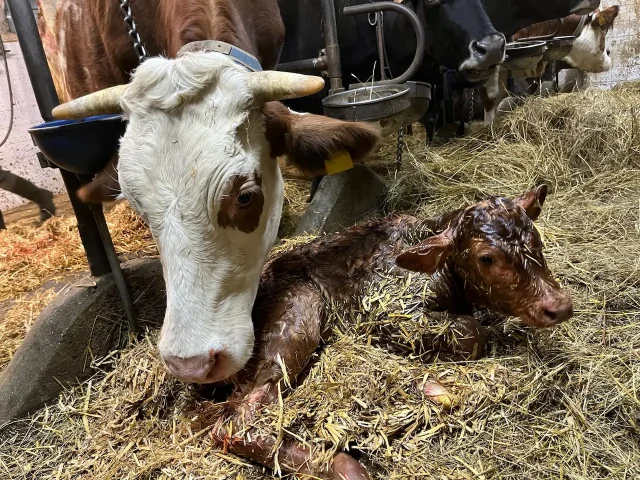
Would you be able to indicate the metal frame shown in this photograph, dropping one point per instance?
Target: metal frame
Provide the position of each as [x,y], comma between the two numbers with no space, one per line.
[92,226]
[329,58]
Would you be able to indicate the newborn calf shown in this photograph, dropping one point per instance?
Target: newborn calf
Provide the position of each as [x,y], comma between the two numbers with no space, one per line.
[488,254]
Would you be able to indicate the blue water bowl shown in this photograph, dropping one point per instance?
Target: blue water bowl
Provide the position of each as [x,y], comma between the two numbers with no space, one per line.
[81,146]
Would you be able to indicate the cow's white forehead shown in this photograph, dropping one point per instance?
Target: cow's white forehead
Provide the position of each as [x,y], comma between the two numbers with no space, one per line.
[191,123]
[167,84]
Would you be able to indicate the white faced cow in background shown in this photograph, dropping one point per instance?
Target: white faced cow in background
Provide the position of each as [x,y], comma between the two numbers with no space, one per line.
[589,53]
[198,159]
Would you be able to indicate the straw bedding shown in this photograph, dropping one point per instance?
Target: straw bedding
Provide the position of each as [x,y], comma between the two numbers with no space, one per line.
[561,403]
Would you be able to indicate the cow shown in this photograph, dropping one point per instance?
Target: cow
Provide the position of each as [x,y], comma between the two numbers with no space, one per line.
[509,16]
[487,255]
[459,35]
[455,30]
[198,160]
[589,52]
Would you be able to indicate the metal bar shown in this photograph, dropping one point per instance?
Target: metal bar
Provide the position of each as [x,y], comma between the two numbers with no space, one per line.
[87,227]
[380,42]
[309,65]
[34,58]
[415,24]
[118,276]
[334,63]
[47,98]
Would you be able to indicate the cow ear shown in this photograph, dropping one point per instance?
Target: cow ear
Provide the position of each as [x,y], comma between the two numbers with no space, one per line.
[532,201]
[104,187]
[429,255]
[310,140]
[605,18]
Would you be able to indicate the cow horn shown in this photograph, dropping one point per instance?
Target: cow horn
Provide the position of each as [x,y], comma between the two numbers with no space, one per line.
[270,85]
[97,103]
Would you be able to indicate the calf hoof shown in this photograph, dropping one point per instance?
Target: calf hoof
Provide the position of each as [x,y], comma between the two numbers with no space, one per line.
[345,467]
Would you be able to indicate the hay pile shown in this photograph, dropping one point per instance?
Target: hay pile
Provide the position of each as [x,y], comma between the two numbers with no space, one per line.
[561,403]
[30,256]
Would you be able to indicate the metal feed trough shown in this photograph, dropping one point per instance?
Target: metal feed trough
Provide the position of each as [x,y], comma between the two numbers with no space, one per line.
[527,52]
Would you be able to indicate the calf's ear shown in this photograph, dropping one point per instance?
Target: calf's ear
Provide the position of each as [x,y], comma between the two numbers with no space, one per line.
[532,201]
[309,141]
[429,255]
[104,187]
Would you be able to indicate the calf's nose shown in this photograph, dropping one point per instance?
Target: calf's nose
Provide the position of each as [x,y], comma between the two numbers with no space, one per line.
[557,309]
[489,51]
[196,369]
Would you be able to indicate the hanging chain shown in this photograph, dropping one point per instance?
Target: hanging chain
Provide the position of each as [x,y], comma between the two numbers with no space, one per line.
[400,148]
[473,92]
[141,52]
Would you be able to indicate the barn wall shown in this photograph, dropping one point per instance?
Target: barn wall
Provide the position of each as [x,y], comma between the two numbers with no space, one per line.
[18,155]
[624,42]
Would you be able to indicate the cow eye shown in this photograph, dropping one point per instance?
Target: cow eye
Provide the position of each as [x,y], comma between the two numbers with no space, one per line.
[244,199]
[486,260]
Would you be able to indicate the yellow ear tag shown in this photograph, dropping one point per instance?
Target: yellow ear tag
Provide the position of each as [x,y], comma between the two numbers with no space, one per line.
[340,162]
[601,20]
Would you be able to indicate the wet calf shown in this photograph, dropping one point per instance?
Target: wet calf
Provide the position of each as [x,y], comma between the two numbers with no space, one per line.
[488,254]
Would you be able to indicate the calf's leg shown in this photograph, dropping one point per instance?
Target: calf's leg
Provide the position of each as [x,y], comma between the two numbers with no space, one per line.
[287,340]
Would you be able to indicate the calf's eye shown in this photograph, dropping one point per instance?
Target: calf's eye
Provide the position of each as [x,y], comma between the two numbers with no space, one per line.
[486,260]
[244,199]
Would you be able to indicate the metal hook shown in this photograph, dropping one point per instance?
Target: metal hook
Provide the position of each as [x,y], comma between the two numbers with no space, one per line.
[375,19]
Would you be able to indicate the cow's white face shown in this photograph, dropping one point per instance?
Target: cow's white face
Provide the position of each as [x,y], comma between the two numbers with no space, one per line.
[589,52]
[195,164]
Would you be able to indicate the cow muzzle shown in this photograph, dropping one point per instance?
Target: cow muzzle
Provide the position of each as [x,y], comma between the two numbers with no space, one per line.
[484,56]
[552,309]
[208,368]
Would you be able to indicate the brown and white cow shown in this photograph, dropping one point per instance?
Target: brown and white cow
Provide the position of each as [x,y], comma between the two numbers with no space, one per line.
[198,159]
[589,53]
[486,255]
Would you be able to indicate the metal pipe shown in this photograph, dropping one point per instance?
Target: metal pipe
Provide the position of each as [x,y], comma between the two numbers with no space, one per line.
[415,24]
[34,57]
[114,262]
[334,63]
[309,65]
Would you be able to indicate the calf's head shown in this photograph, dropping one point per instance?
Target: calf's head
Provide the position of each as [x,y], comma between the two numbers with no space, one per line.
[496,252]
[589,52]
[198,163]
[460,35]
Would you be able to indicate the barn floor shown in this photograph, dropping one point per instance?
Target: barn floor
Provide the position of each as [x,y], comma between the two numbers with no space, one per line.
[560,403]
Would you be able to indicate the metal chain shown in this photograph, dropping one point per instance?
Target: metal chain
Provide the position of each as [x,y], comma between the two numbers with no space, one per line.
[473,92]
[141,52]
[400,148]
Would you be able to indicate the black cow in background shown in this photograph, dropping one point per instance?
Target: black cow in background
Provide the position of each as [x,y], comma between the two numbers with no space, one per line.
[459,35]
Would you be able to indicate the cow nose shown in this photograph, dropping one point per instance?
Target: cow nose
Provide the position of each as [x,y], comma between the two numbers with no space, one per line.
[558,310]
[489,51]
[192,369]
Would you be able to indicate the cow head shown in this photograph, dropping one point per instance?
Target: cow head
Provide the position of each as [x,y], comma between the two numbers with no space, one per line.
[495,251]
[589,52]
[197,162]
[460,36]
